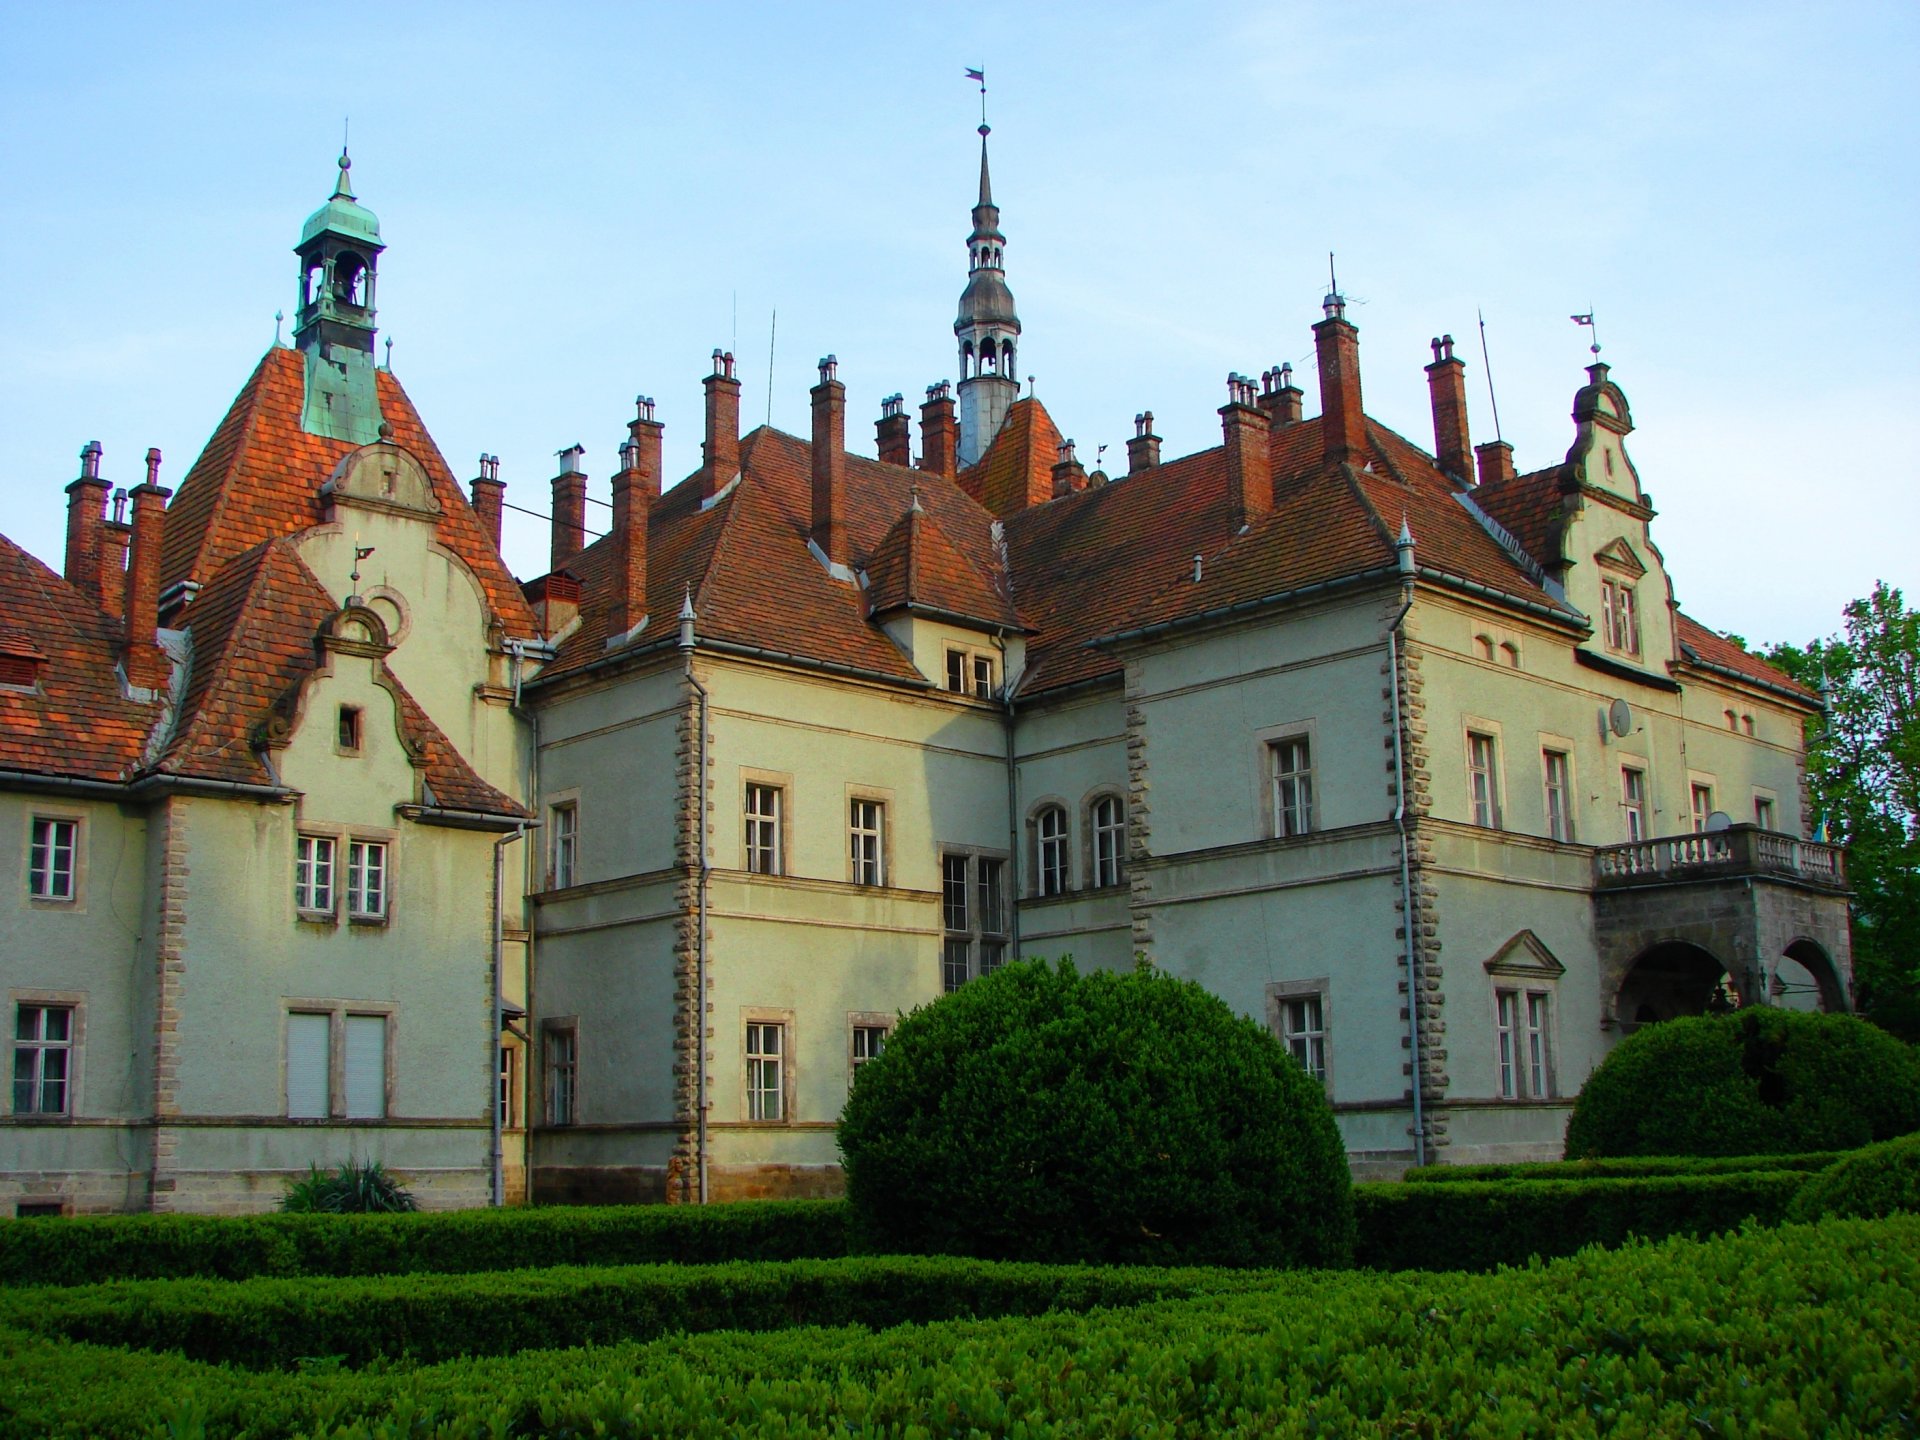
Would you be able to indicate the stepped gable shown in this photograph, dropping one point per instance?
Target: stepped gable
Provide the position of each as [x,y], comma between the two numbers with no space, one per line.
[915,567]
[1532,509]
[254,631]
[1703,647]
[74,721]
[1016,472]
[260,477]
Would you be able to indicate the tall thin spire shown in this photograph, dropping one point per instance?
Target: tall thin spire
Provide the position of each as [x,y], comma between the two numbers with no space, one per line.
[986,183]
[988,326]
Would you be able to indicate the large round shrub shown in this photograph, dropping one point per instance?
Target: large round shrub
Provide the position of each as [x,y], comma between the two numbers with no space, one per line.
[1757,1082]
[1876,1181]
[1041,1114]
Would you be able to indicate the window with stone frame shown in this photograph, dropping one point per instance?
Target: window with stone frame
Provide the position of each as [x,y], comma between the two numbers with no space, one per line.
[560,1053]
[1052,873]
[973,916]
[866,1038]
[563,844]
[53,859]
[1299,1016]
[763,805]
[1556,769]
[1523,1036]
[1107,830]
[1633,800]
[971,672]
[313,874]
[1483,778]
[367,879]
[1619,617]
[1700,799]
[766,1056]
[43,1053]
[1290,780]
[867,840]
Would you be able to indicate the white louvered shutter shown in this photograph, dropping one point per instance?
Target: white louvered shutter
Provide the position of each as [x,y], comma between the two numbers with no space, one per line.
[366,1067]
[308,1061]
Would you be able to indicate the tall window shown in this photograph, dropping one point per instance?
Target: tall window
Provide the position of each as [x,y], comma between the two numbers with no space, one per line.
[763,830]
[361,1040]
[313,874]
[1702,798]
[1290,765]
[1050,851]
[50,860]
[973,914]
[1620,621]
[868,1042]
[1763,812]
[365,1071]
[366,880]
[1483,776]
[42,1059]
[309,1066]
[1109,820]
[1558,778]
[1633,799]
[563,845]
[508,1096]
[1524,1055]
[766,1061]
[349,730]
[1539,1071]
[562,1054]
[1303,1031]
[867,833]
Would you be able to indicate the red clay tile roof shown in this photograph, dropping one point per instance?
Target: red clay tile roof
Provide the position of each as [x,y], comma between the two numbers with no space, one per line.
[1703,646]
[1532,508]
[1017,470]
[916,566]
[260,476]
[75,722]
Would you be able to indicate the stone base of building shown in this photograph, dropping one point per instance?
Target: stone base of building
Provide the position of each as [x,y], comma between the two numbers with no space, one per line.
[647,1184]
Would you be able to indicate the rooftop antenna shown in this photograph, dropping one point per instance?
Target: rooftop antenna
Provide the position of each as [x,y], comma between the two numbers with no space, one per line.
[1587,321]
[1487,364]
[773,329]
[981,76]
[1333,285]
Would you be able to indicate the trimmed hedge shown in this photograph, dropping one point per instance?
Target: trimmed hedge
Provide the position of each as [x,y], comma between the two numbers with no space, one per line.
[1799,1332]
[1627,1167]
[1756,1082]
[1879,1180]
[1469,1225]
[86,1249]
[1041,1114]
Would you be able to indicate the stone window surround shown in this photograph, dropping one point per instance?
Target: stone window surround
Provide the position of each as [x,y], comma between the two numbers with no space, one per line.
[1522,988]
[73,1000]
[977,934]
[342,836]
[568,799]
[1472,726]
[76,903]
[866,1020]
[1708,781]
[1265,739]
[1032,886]
[556,1025]
[784,1018]
[781,781]
[882,797]
[1089,858]
[1564,746]
[1318,987]
[338,1011]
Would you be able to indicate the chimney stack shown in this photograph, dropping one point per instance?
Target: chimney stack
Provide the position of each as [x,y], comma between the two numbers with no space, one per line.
[894,432]
[490,497]
[829,527]
[1143,450]
[1245,428]
[569,509]
[1447,385]
[1343,425]
[1496,461]
[634,490]
[114,540]
[939,431]
[1069,475]
[720,454]
[86,520]
[1280,397]
[147,666]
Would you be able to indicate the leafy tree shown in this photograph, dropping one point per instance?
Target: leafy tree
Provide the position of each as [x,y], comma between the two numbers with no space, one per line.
[1864,766]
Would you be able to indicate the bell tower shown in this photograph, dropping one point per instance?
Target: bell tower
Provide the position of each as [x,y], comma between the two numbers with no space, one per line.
[333,325]
[987,327]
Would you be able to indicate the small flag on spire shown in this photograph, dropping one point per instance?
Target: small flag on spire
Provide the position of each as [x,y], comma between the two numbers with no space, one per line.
[979,75]
[1586,319]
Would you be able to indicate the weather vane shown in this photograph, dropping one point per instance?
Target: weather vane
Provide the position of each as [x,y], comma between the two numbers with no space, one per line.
[360,552]
[981,76]
[1587,320]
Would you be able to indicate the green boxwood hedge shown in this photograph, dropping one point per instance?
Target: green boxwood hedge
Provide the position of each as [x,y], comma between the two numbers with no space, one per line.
[1879,1180]
[1625,1168]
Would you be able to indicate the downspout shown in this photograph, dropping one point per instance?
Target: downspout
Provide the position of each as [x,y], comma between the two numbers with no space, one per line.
[1011,890]
[1403,555]
[528,879]
[687,644]
[497,1153]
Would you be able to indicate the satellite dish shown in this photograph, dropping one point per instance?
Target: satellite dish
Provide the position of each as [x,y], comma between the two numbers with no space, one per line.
[1620,718]
[1719,820]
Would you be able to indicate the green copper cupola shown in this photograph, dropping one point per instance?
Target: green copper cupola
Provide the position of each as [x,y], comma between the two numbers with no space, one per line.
[333,327]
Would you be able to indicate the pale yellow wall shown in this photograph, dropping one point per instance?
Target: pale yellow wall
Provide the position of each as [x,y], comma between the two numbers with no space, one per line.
[609,749]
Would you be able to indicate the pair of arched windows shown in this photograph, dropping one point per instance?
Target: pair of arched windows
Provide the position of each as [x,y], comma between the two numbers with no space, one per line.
[1105,821]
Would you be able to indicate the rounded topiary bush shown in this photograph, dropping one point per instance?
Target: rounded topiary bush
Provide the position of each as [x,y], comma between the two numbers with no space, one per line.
[1757,1082]
[1041,1114]
[1876,1181]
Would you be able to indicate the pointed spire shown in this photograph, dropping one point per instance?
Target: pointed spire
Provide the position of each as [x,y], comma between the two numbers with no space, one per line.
[986,181]
[342,189]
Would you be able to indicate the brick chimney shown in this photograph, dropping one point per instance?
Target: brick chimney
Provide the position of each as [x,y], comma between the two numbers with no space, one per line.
[1069,475]
[939,431]
[490,497]
[1279,396]
[86,520]
[569,509]
[1447,385]
[555,600]
[828,529]
[1343,427]
[1496,461]
[894,432]
[1143,450]
[1245,427]
[115,537]
[146,664]
[635,489]
[720,453]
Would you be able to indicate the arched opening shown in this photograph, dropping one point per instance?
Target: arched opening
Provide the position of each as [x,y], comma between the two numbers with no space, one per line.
[349,278]
[1006,358]
[966,359]
[989,357]
[1806,979]
[1671,980]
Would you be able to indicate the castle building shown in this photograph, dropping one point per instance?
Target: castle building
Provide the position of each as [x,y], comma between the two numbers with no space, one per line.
[331,839]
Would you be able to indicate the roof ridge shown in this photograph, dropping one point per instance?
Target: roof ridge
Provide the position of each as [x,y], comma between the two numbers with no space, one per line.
[1351,477]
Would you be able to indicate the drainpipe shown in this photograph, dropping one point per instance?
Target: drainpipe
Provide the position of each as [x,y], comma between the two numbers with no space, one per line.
[528,879]
[1403,557]
[497,1152]
[1011,888]
[687,644]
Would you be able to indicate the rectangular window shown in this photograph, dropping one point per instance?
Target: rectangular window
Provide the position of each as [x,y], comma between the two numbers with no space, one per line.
[562,1054]
[970,673]
[766,1061]
[1525,1048]
[1557,772]
[1539,1071]
[982,677]
[563,842]
[867,832]
[1303,1030]
[1050,859]
[366,1067]
[1702,799]
[1633,799]
[1109,821]
[50,862]
[973,913]
[42,1059]
[1763,812]
[1507,1026]
[1620,624]
[868,1042]
[309,1066]
[957,671]
[508,1096]
[313,874]
[349,735]
[1483,774]
[366,880]
[763,830]
[1291,766]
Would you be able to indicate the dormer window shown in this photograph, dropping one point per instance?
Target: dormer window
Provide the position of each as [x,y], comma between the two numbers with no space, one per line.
[969,672]
[349,730]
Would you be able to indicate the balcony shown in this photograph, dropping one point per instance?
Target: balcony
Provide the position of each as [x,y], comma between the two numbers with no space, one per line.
[1742,851]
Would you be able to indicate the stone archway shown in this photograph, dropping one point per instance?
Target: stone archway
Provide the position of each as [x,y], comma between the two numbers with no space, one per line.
[1805,978]
[1672,979]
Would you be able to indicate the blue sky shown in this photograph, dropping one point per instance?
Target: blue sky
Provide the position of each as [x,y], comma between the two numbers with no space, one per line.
[580,205]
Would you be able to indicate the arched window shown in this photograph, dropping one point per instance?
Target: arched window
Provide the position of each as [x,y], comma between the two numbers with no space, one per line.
[1006,358]
[1108,821]
[1050,851]
[1510,654]
[349,278]
[1483,647]
[966,359]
